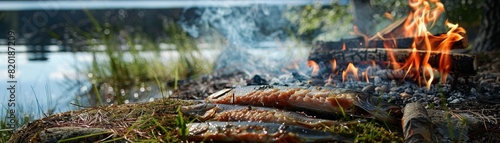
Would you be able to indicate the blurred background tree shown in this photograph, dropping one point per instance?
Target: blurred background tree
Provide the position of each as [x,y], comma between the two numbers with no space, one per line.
[320,22]
[488,34]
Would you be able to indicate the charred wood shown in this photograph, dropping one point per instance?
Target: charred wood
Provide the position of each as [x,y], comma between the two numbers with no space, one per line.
[399,43]
[462,64]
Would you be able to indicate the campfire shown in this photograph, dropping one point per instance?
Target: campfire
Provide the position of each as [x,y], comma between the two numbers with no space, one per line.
[404,50]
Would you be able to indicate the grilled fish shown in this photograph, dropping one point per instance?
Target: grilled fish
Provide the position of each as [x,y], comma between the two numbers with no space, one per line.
[225,112]
[260,132]
[320,100]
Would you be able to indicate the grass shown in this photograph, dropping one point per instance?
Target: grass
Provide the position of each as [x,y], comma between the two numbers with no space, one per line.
[181,125]
[24,115]
[123,65]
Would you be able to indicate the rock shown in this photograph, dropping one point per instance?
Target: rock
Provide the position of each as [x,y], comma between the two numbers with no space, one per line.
[394,83]
[455,101]
[275,81]
[409,91]
[405,95]
[377,80]
[300,77]
[394,89]
[450,98]
[383,88]
[56,134]
[473,90]
[257,80]
[368,89]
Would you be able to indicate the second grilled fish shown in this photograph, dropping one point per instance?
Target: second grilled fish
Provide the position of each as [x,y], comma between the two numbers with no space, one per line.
[225,112]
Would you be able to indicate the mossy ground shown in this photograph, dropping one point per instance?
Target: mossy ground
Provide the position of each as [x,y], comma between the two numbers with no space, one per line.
[153,121]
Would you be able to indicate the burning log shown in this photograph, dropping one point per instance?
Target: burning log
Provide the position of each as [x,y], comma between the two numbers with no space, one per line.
[332,59]
[399,43]
[461,64]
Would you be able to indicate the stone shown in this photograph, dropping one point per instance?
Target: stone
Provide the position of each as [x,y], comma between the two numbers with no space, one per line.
[455,101]
[56,134]
[405,95]
[368,89]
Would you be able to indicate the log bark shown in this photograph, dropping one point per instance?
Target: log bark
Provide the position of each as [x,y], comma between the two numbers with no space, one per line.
[417,127]
[461,64]
[400,43]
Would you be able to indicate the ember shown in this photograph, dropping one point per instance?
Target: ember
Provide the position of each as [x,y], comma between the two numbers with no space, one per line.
[350,69]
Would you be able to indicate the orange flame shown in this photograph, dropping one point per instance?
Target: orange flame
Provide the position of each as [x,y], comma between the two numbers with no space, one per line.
[329,81]
[365,75]
[389,16]
[315,67]
[350,69]
[389,45]
[444,48]
[334,65]
[426,13]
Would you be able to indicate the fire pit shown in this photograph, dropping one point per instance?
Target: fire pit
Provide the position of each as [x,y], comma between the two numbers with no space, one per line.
[403,69]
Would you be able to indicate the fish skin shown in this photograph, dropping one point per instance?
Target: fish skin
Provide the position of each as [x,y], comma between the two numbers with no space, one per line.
[215,131]
[226,112]
[288,97]
[326,101]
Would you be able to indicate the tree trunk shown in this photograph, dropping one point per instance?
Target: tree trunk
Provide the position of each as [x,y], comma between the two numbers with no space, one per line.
[363,15]
[489,32]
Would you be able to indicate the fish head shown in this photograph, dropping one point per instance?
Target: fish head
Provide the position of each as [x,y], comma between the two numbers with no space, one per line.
[220,95]
[379,108]
[203,111]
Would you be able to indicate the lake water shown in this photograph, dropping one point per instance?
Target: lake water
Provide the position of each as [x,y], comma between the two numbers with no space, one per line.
[53,83]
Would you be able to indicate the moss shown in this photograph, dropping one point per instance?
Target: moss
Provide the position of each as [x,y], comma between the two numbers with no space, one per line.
[368,132]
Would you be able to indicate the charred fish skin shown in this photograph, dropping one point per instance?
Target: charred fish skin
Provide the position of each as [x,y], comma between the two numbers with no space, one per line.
[379,109]
[225,112]
[201,111]
[317,99]
[260,132]
[320,100]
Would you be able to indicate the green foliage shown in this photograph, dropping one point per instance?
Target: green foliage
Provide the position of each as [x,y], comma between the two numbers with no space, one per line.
[313,20]
[181,124]
[368,132]
[465,12]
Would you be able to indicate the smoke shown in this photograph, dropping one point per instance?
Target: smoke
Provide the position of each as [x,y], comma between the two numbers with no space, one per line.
[240,25]
[246,30]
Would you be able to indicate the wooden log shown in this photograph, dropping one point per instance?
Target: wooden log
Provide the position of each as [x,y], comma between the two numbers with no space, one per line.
[462,64]
[399,43]
[417,127]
